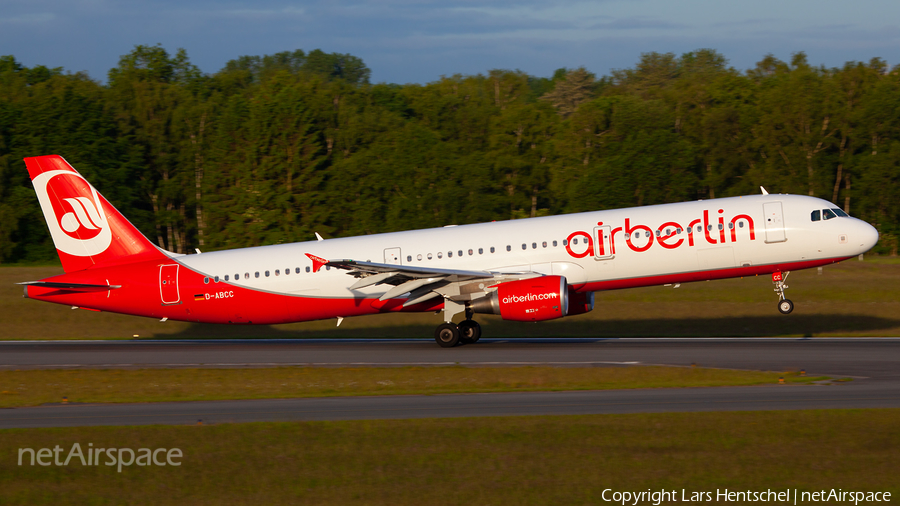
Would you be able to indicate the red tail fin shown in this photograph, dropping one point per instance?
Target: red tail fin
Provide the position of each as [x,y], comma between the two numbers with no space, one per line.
[86,229]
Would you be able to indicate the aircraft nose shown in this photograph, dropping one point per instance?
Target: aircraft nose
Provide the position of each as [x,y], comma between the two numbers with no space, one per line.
[865,235]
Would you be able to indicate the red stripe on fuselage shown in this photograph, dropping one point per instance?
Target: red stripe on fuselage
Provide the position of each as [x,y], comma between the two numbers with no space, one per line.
[140,295]
[687,277]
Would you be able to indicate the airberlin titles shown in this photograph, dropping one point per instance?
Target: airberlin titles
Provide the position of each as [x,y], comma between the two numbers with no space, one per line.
[669,235]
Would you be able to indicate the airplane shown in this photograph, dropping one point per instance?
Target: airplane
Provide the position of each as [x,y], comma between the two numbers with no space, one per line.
[530,270]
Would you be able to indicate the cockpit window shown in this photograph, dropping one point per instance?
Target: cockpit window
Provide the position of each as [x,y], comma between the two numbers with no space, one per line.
[840,213]
[828,214]
[816,215]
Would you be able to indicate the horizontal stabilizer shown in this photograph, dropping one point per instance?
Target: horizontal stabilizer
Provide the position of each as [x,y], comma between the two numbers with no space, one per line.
[70,286]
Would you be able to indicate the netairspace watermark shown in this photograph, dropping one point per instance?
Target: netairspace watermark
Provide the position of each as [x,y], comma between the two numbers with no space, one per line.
[789,496]
[114,457]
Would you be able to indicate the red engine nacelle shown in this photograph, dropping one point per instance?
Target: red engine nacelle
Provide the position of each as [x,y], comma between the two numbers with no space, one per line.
[527,300]
[580,303]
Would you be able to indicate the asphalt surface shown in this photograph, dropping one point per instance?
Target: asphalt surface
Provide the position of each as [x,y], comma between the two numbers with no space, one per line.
[873,363]
[862,357]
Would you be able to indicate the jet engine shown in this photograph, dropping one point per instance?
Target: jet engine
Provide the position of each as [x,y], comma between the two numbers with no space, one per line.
[527,300]
[580,303]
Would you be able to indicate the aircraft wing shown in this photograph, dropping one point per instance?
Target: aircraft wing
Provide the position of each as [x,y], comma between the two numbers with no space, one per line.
[422,283]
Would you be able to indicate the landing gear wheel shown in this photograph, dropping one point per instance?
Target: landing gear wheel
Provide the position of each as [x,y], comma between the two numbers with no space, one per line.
[446,335]
[785,306]
[469,331]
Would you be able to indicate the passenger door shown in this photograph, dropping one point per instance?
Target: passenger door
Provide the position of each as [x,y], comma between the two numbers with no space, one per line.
[602,243]
[168,284]
[774,222]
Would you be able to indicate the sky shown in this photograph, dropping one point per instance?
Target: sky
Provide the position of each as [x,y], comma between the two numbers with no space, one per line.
[418,41]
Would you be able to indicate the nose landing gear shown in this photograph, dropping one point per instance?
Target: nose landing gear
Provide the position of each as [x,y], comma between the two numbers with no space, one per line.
[785,306]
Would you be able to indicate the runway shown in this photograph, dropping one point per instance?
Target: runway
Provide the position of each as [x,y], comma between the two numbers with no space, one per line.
[873,363]
[859,357]
[775,397]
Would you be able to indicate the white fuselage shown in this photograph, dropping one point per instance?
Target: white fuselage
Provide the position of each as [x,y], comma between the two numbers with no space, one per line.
[570,245]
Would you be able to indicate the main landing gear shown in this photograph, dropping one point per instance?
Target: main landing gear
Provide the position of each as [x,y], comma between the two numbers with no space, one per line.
[784,304]
[449,334]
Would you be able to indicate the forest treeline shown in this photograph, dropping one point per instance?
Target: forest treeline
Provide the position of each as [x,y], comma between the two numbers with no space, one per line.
[271,149]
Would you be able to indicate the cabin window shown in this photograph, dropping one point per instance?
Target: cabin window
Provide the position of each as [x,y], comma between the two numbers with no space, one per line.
[565,242]
[492,249]
[481,251]
[460,252]
[471,252]
[544,244]
[287,271]
[508,247]
[267,273]
[678,231]
[216,279]
[449,254]
[731,226]
[828,214]
[534,245]
[256,274]
[307,268]
[419,257]
[740,224]
[658,233]
[524,246]
[226,277]
[327,267]
[277,272]
[840,213]
[554,244]
[205,280]
[575,241]
[709,228]
[409,258]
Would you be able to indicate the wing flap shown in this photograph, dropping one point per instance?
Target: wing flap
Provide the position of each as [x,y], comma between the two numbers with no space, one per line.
[407,270]
[373,279]
[409,286]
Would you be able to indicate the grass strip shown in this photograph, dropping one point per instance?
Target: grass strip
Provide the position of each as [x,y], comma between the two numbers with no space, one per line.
[34,387]
[509,460]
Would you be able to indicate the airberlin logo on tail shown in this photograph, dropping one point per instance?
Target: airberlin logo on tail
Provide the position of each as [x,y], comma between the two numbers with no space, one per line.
[84,214]
[74,213]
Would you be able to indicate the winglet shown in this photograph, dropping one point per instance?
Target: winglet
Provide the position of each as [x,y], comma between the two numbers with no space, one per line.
[318,262]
